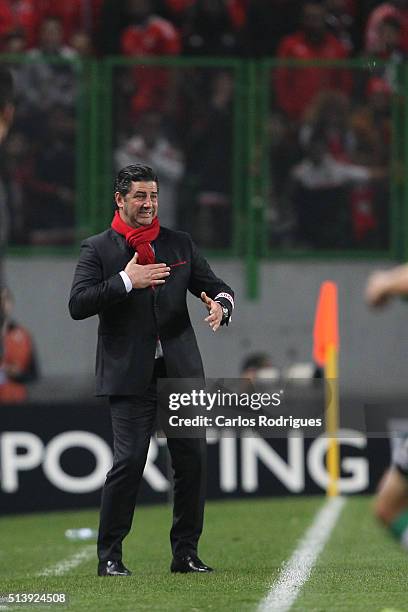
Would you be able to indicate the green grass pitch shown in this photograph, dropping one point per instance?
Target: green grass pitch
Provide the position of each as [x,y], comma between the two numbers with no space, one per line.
[361,569]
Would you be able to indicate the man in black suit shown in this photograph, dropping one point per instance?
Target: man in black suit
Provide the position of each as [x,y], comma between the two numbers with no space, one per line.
[135,277]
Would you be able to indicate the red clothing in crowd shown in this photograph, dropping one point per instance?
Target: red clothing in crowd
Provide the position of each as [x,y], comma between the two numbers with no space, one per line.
[74,14]
[157,37]
[297,87]
[20,14]
[238,12]
[179,6]
[372,42]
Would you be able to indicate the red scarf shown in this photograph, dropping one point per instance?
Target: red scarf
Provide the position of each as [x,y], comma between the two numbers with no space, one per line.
[140,238]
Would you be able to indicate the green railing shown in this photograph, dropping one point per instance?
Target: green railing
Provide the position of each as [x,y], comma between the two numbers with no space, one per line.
[106,110]
[251,217]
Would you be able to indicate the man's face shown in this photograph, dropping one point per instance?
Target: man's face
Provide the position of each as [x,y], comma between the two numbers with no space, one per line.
[139,207]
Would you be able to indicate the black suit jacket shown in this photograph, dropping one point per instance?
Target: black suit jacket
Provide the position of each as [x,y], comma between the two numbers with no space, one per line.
[130,323]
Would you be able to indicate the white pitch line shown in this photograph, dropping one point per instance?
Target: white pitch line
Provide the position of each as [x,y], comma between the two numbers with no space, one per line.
[296,571]
[64,566]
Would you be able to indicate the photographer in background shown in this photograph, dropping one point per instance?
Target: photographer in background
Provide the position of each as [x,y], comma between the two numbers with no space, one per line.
[19,364]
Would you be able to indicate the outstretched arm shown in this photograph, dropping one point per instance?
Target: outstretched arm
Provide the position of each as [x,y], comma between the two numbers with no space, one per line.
[385,284]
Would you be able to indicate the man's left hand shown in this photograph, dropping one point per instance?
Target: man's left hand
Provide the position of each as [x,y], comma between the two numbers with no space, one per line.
[215,312]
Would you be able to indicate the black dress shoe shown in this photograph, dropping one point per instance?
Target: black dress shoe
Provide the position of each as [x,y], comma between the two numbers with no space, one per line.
[112,568]
[189,563]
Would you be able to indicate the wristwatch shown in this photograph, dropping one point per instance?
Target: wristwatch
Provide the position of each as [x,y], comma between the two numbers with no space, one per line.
[225,315]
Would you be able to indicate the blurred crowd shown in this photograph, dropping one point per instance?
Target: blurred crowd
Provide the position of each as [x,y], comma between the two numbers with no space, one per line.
[329,129]
[199,27]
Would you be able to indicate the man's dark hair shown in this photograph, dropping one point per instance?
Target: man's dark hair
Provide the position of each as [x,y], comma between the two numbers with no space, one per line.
[6,88]
[133,173]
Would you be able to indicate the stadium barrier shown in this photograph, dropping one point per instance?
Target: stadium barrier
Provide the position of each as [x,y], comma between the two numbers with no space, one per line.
[56,455]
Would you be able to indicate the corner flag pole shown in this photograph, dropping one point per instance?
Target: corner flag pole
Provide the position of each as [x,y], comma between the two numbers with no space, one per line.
[326,354]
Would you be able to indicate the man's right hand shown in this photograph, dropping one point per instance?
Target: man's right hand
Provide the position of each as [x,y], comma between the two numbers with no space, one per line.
[145,276]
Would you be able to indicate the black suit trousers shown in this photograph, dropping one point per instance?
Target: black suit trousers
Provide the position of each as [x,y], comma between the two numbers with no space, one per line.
[133,420]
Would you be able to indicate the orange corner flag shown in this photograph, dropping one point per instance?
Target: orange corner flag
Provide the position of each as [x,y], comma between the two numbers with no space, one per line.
[326,327]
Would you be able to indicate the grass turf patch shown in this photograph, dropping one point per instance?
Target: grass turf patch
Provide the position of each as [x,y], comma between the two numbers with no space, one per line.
[362,567]
[246,542]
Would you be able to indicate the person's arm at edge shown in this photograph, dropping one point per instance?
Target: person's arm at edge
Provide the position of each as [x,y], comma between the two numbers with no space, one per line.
[385,284]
